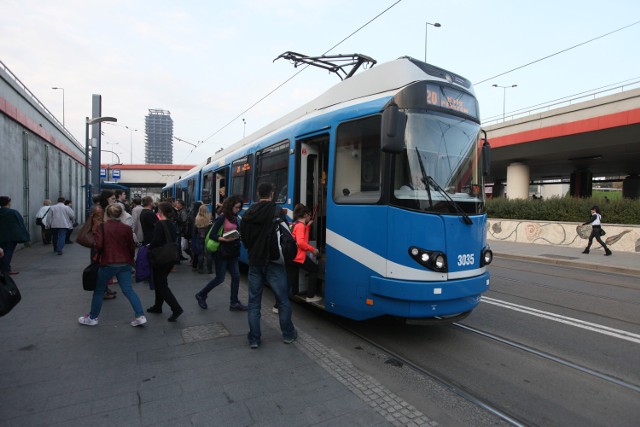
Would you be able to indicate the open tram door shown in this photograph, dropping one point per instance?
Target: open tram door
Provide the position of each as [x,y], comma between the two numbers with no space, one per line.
[220,191]
[312,162]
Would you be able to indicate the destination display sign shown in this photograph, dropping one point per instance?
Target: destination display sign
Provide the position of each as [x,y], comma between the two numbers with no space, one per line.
[452,99]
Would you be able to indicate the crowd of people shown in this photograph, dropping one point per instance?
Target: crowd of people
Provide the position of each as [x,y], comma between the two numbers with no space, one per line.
[125,237]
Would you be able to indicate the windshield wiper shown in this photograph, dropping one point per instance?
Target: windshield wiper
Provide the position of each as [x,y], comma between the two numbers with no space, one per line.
[429,181]
[425,177]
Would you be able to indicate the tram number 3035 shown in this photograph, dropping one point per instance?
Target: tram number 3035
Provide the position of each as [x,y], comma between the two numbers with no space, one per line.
[465,259]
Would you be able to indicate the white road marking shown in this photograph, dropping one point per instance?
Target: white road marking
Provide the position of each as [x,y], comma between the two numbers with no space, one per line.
[601,329]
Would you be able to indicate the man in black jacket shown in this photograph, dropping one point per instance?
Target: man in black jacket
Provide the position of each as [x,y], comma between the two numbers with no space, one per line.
[256,229]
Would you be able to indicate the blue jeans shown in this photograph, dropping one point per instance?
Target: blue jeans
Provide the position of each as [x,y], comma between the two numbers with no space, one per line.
[275,275]
[59,236]
[222,264]
[123,273]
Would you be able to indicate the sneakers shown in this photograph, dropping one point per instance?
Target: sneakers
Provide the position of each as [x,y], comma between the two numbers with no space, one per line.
[275,309]
[254,345]
[139,321]
[314,298]
[237,307]
[86,320]
[202,301]
[290,340]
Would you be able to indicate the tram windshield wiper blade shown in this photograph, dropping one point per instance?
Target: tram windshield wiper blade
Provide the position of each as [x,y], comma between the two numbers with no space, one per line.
[430,182]
[450,200]
[425,177]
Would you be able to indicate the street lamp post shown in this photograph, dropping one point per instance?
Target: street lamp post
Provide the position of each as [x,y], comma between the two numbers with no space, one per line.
[131,131]
[87,184]
[62,89]
[504,97]
[426,27]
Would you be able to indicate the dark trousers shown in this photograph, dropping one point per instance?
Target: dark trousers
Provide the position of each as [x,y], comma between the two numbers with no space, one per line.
[162,291]
[5,261]
[294,276]
[595,233]
[46,235]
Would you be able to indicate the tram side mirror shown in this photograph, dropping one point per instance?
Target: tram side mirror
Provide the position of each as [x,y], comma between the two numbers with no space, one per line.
[393,124]
[486,158]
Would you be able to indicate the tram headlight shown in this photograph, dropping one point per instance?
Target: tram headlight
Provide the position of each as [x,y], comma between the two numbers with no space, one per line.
[487,257]
[433,260]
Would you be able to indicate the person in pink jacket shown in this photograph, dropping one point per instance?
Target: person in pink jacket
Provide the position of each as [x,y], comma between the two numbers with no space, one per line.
[307,254]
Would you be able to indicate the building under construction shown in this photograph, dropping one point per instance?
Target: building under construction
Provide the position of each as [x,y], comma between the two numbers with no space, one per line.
[159,141]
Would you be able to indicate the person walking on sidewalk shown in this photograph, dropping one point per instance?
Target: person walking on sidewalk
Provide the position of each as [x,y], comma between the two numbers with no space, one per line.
[40,221]
[12,231]
[60,219]
[115,250]
[596,231]
[227,255]
[161,272]
[256,231]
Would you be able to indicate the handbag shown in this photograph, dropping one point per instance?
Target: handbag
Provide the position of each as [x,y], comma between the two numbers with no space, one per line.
[212,245]
[165,254]
[90,276]
[9,294]
[85,235]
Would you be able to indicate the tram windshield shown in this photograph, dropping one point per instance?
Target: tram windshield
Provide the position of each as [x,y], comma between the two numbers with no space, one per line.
[440,170]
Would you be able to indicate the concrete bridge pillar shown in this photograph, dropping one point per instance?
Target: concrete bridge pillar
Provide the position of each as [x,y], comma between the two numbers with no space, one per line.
[581,185]
[517,181]
[631,187]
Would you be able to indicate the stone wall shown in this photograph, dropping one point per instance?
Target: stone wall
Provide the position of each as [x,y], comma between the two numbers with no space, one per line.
[622,238]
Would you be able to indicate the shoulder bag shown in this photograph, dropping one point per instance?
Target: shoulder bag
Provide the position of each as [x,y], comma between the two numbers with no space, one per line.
[85,235]
[90,273]
[165,254]
[9,294]
[212,245]
[39,221]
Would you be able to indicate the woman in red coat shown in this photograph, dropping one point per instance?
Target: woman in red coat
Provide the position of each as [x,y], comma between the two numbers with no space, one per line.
[115,251]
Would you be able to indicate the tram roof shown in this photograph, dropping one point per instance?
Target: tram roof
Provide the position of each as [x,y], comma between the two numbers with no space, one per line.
[384,79]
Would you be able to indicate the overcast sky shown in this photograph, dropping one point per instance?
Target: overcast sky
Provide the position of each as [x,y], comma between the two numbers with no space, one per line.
[208,61]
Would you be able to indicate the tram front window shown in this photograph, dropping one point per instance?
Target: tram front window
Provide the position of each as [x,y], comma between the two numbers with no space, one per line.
[442,155]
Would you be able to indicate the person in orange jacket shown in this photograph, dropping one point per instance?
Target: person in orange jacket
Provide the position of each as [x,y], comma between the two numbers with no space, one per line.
[307,254]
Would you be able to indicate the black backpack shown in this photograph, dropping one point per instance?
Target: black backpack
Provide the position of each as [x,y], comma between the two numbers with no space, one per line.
[282,246]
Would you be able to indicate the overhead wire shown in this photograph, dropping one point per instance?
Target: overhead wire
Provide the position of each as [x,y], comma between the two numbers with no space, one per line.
[557,53]
[292,77]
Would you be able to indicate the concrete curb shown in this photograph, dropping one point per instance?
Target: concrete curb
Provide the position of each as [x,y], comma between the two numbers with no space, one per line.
[568,263]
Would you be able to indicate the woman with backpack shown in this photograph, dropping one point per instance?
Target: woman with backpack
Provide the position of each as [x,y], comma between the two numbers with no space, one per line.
[226,257]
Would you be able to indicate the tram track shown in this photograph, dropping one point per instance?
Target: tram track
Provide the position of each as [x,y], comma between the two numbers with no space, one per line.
[394,357]
[550,357]
[445,382]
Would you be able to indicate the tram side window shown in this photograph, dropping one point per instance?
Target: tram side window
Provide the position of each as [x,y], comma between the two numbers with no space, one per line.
[241,178]
[191,192]
[207,185]
[357,171]
[272,165]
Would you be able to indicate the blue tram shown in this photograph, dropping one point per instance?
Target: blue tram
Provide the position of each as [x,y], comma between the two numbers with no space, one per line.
[393,162]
